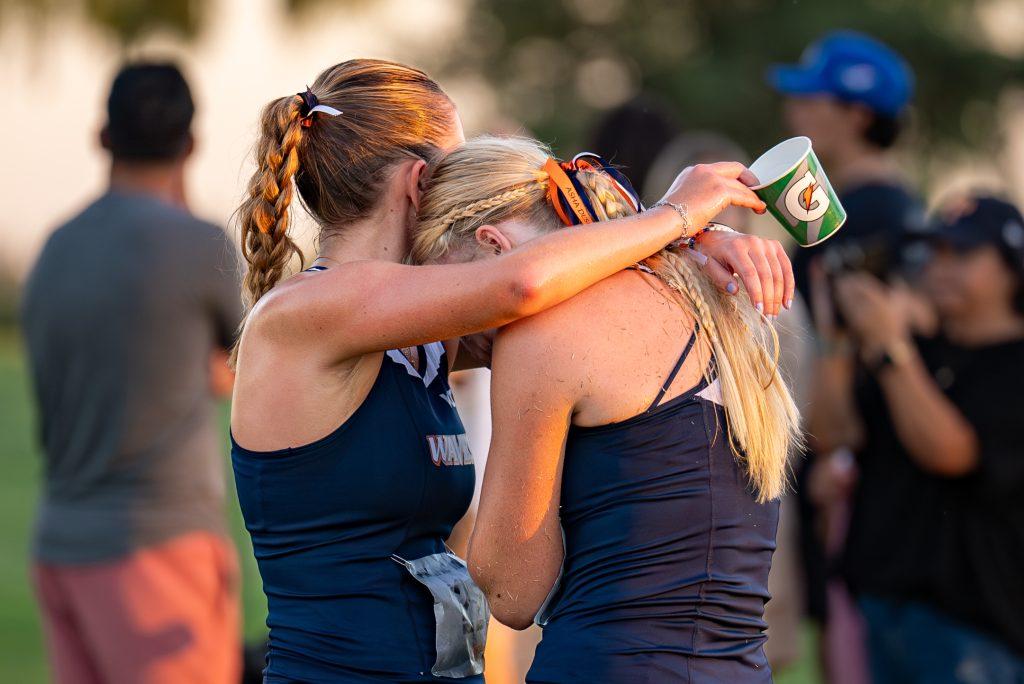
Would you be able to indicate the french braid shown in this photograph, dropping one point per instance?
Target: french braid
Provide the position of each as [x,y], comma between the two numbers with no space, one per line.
[265,215]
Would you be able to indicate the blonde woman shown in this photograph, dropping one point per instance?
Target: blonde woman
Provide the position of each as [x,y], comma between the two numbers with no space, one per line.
[644,420]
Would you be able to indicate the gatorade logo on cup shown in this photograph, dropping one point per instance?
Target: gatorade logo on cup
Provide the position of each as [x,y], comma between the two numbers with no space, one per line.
[806,200]
[797,192]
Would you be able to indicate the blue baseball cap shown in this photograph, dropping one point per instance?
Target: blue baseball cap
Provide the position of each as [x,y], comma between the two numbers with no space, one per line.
[852,67]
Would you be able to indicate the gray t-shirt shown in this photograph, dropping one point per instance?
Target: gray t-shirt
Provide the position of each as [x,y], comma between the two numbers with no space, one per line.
[121,314]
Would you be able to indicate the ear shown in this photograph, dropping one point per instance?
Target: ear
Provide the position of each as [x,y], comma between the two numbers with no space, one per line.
[861,116]
[105,138]
[415,176]
[493,240]
[190,146]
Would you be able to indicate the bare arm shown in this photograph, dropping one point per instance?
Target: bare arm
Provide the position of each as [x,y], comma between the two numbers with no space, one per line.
[369,306]
[516,549]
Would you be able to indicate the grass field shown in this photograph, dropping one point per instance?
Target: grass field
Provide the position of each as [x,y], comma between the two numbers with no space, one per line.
[21,650]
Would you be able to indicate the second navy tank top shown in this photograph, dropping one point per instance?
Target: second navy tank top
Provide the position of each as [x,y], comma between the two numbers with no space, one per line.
[667,553]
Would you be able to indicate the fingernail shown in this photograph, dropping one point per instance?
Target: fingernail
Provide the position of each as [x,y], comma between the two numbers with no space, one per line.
[760,307]
[731,288]
[789,303]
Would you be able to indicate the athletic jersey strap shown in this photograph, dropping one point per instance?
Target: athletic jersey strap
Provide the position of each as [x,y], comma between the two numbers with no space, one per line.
[675,371]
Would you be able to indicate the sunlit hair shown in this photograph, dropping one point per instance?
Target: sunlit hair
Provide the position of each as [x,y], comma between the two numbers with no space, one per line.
[489,180]
[338,164]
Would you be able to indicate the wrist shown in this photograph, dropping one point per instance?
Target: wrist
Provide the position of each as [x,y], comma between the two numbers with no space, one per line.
[896,353]
[684,224]
[701,235]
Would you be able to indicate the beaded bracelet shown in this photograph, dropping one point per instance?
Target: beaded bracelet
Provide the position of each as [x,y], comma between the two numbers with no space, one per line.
[691,242]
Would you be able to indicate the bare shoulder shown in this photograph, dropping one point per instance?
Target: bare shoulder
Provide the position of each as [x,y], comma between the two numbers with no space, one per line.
[313,303]
[559,340]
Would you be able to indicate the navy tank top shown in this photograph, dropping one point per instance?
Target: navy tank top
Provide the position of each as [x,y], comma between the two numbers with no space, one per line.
[326,518]
[667,553]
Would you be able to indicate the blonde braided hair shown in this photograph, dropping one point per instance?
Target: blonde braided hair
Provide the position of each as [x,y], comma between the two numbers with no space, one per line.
[496,179]
[515,188]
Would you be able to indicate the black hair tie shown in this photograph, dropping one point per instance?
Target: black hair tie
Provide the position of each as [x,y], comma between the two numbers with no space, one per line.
[311,106]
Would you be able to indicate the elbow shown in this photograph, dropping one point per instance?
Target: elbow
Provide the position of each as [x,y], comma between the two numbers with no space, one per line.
[955,463]
[524,292]
[502,599]
[514,619]
[826,439]
[952,458]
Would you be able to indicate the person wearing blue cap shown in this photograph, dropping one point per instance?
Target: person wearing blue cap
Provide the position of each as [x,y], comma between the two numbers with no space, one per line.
[850,94]
[934,550]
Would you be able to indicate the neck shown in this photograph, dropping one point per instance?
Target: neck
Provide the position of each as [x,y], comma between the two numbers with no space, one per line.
[382,236]
[164,181]
[854,163]
[980,326]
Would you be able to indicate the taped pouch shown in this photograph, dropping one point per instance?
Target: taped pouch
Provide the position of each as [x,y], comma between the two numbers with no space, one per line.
[460,613]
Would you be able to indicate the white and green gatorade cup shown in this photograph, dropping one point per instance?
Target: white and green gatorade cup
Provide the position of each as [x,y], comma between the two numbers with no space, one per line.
[797,192]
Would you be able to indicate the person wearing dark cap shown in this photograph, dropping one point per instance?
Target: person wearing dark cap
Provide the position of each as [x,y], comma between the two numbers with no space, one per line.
[127,315]
[850,94]
[935,550]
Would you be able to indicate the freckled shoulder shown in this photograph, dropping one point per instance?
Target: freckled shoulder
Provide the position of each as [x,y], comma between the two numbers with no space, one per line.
[558,342]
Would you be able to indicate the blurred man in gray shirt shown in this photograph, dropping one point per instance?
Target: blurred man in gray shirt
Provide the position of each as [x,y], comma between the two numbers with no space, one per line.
[127,316]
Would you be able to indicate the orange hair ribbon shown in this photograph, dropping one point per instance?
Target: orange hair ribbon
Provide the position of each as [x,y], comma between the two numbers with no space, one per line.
[559,182]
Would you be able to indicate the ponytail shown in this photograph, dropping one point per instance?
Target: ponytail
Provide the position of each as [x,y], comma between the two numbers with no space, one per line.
[266,214]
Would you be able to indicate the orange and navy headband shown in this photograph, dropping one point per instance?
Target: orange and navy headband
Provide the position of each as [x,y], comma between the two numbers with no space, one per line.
[569,198]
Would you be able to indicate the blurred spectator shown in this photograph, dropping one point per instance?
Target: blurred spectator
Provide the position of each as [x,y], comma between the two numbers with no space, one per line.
[785,609]
[849,94]
[127,315]
[934,552]
[632,135]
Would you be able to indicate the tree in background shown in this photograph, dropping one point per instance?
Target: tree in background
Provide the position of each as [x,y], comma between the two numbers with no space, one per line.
[557,64]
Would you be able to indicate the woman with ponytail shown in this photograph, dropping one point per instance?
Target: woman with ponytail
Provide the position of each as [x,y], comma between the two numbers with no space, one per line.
[349,457]
[640,437]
